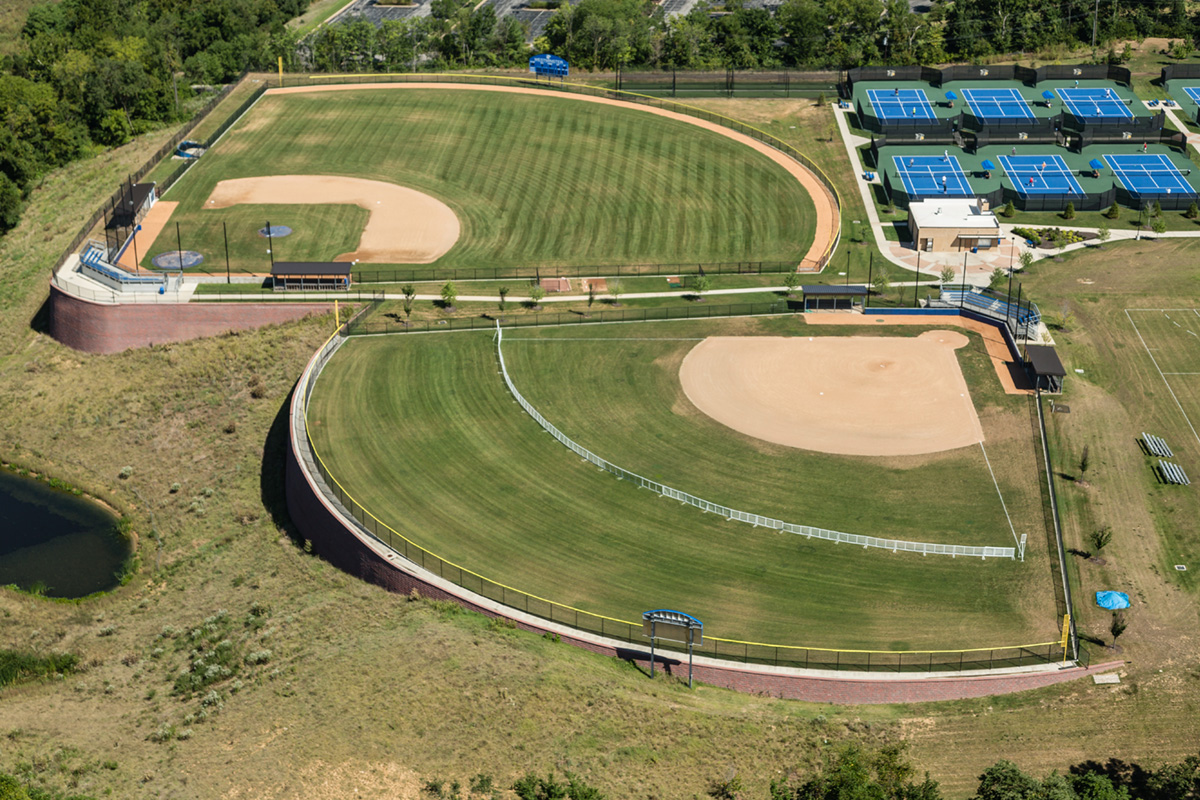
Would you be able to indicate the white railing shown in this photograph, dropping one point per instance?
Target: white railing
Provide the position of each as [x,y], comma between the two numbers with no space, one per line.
[895,545]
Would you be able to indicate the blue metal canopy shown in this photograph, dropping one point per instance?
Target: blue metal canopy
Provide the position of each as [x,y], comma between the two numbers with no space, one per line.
[987,164]
[1049,95]
[951,96]
[1096,163]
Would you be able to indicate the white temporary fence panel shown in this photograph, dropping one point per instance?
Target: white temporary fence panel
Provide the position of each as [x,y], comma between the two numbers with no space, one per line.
[895,545]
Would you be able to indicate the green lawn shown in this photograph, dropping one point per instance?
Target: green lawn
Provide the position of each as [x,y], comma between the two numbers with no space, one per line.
[423,432]
[535,181]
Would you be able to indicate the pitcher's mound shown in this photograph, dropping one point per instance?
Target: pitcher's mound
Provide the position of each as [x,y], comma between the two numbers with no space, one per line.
[867,396]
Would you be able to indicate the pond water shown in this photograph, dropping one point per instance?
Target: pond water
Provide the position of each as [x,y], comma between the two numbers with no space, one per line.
[66,545]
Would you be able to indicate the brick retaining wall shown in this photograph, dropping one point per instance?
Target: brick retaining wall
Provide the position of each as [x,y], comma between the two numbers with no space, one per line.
[110,328]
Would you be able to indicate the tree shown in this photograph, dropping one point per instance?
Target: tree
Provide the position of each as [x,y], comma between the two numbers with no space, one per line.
[1025,259]
[1103,233]
[9,788]
[410,294]
[997,279]
[616,289]
[1118,625]
[537,294]
[1156,209]
[591,294]
[1159,226]
[881,282]
[449,295]
[1084,461]
[1069,211]
[700,285]
[791,281]
[1005,781]
[1193,211]
[503,290]
[1101,537]
[947,275]
[1009,210]
[1114,211]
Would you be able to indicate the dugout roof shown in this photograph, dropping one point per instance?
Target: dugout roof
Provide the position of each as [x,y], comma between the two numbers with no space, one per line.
[834,290]
[1044,360]
[309,269]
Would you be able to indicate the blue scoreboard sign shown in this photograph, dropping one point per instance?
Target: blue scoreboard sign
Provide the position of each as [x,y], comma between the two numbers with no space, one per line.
[547,64]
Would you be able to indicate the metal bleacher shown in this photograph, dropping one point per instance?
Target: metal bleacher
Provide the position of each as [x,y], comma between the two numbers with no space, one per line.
[1173,473]
[1025,315]
[1156,446]
[93,262]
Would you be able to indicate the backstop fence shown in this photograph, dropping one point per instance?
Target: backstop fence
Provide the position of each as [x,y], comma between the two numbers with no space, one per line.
[631,631]
[729,83]
[634,98]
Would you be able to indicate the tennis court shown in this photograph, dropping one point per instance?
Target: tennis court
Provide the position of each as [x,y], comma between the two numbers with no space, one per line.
[997,103]
[1148,173]
[932,175]
[1044,174]
[896,104]
[1095,103]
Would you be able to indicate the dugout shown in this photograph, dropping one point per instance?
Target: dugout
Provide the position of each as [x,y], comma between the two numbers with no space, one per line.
[310,275]
[832,297]
[1045,367]
[952,225]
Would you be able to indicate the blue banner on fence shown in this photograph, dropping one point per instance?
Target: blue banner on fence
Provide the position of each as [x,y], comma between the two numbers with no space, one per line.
[547,64]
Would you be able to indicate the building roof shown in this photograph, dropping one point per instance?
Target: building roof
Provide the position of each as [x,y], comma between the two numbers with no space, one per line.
[310,268]
[952,214]
[835,290]
[1044,360]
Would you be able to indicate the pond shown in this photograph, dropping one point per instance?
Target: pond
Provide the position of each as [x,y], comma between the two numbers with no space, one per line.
[56,543]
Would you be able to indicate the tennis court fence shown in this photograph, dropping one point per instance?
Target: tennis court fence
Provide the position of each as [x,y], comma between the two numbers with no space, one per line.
[972,72]
[729,83]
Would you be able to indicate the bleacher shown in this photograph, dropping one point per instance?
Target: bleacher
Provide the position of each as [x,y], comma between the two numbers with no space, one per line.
[1024,315]
[1156,446]
[1173,473]
[94,260]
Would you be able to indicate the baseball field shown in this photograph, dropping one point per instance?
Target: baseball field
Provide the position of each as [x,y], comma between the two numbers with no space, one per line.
[422,431]
[471,177]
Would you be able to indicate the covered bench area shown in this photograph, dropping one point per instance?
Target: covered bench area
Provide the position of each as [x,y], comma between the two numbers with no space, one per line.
[1045,367]
[832,297]
[310,275]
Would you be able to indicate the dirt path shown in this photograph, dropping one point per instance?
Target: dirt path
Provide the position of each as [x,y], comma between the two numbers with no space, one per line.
[1012,376]
[405,226]
[837,394]
[827,220]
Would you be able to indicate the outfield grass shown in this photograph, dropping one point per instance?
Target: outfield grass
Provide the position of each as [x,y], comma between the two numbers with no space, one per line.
[533,180]
[423,433]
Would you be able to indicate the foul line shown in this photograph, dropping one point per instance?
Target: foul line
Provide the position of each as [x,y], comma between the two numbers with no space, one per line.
[1166,382]
[1002,503]
[612,339]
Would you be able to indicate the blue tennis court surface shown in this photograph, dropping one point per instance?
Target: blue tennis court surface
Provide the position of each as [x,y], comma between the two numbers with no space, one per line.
[997,103]
[1040,175]
[1148,173]
[1194,93]
[932,175]
[904,104]
[1095,103]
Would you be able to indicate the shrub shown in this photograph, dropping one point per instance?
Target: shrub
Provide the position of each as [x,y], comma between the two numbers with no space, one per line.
[125,473]
[1193,211]
[1069,211]
[1009,209]
[821,99]
[1156,209]
[1114,211]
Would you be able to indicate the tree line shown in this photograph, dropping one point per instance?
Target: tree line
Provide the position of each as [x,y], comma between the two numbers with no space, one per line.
[726,34]
[88,74]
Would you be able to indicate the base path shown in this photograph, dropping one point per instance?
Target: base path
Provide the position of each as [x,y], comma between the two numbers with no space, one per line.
[828,219]
[405,226]
[152,225]
[835,394]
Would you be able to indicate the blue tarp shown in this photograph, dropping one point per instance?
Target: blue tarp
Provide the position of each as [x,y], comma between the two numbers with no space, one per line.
[987,164]
[1112,600]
